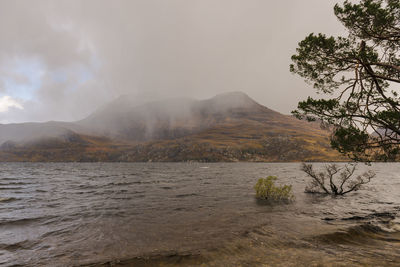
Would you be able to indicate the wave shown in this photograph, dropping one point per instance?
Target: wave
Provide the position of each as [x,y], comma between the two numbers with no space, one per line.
[168,259]
[382,215]
[166,187]
[15,183]
[9,178]
[23,221]
[7,199]
[11,188]
[120,183]
[186,195]
[26,244]
[363,234]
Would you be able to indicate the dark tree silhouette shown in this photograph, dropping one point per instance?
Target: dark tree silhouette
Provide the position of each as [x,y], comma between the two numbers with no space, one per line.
[335,180]
[360,76]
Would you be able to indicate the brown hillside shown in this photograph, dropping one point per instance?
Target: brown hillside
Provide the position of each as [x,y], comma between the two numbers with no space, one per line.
[228,127]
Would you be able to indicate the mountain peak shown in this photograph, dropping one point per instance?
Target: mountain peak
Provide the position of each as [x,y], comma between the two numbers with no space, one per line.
[229,100]
[234,96]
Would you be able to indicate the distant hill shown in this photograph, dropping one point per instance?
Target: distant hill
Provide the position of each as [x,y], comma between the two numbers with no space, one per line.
[227,127]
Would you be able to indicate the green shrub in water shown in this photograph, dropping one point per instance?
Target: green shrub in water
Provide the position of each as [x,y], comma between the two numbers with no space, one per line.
[266,189]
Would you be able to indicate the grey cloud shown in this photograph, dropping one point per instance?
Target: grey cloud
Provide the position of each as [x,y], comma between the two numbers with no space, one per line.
[156,49]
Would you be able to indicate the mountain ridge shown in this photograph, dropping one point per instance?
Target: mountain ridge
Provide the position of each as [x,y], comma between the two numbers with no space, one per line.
[227,127]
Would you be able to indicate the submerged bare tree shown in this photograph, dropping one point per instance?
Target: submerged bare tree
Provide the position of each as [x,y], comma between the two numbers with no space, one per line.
[335,180]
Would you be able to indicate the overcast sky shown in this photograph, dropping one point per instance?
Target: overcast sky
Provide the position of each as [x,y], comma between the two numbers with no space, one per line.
[60,60]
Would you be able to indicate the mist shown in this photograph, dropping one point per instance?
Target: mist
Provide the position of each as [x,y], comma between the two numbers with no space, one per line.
[63,60]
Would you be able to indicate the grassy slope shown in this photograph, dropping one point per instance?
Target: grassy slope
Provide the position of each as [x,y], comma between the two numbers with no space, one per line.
[248,140]
[231,140]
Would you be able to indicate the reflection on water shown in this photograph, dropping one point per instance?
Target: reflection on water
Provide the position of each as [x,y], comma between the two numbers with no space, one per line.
[150,214]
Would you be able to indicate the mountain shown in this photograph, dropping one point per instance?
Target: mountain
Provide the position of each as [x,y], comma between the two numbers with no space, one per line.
[227,127]
[166,119]
[21,132]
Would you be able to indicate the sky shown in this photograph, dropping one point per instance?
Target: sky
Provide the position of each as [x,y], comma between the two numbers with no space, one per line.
[61,60]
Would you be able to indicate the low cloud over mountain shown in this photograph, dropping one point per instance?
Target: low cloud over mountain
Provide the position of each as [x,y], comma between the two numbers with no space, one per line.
[227,127]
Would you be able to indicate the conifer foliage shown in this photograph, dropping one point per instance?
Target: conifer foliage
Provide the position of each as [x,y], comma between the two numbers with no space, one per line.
[359,75]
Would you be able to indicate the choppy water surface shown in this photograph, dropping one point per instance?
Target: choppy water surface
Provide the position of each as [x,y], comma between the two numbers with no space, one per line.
[150,214]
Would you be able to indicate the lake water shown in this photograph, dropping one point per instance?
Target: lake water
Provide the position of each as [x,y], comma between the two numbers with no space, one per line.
[190,214]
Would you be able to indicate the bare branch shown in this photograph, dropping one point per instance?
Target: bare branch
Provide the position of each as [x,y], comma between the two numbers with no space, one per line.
[346,185]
